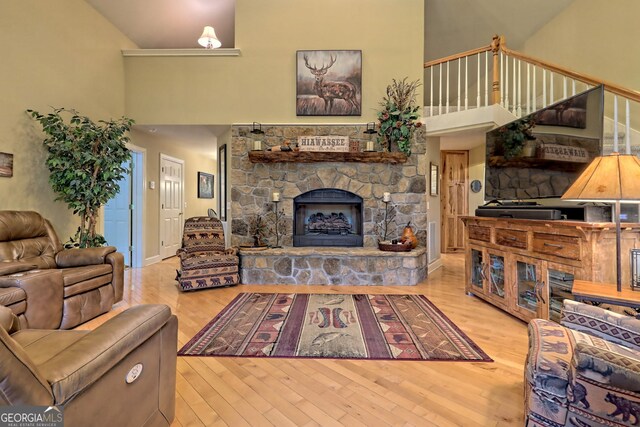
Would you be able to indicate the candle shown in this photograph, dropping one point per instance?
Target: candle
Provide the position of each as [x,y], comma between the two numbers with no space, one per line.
[386,197]
[276,197]
[257,145]
[369,145]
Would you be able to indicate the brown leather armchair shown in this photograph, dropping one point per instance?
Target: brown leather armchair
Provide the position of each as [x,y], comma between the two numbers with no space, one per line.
[47,286]
[122,373]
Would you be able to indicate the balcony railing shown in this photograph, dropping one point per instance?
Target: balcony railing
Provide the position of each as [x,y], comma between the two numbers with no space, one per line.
[520,83]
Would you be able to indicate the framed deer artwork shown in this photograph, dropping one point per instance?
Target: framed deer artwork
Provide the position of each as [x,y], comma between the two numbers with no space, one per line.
[329,83]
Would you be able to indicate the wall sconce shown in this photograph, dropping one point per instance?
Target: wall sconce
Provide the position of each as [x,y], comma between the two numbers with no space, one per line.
[208,39]
[635,269]
[257,136]
[371,129]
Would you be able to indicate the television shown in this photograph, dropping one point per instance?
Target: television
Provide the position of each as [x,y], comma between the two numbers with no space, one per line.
[540,155]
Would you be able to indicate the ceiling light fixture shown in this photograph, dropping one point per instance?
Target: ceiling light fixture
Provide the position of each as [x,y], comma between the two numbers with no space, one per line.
[208,39]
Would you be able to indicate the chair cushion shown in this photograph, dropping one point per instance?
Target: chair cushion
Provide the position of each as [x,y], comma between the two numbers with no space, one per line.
[605,324]
[74,275]
[216,260]
[203,234]
[11,295]
[28,237]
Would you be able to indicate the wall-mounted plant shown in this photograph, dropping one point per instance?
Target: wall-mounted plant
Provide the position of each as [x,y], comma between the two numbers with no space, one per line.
[85,163]
[399,115]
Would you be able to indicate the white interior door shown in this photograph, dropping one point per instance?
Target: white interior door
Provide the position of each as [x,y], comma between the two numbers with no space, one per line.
[171,203]
[117,218]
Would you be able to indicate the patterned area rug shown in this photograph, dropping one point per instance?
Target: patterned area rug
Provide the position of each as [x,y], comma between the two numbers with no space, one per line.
[407,327]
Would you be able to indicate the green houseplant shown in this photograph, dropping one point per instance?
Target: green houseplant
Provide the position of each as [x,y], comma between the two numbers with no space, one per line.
[515,135]
[85,161]
[399,115]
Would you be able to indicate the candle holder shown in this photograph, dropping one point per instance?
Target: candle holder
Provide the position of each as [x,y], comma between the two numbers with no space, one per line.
[257,134]
[371,129]
[277,217]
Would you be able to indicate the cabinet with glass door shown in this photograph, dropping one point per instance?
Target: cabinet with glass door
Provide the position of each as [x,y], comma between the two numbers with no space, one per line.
[528,287]
[558,283]
[486,275]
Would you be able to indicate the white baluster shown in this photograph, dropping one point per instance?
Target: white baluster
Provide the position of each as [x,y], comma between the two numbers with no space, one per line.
[615,123]
[544,88]
[519,89]
[627,128]
[478,83]
[534,91]
[459,67]
[440,92]
[515,92]
[506,83]
[573,87]
[466,82]
[486,78]
[501,84]
[551,88]
[564,87]
[431,91]
[528,88]
[448,84]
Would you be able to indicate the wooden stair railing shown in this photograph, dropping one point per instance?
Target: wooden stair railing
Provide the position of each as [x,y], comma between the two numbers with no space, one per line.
[520,83]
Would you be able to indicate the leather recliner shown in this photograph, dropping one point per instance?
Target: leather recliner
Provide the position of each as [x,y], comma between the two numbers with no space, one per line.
[122,373]
[47,286]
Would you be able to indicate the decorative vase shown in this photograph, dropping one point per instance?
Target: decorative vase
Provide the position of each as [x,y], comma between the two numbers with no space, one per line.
[408,236]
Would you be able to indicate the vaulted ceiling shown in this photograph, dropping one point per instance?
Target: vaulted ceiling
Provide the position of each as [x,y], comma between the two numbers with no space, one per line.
[451,26]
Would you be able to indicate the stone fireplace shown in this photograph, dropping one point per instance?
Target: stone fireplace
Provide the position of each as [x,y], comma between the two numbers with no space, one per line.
[327,217]
[332,205]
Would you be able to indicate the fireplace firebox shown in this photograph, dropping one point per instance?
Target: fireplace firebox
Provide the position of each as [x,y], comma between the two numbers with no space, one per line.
[327,217]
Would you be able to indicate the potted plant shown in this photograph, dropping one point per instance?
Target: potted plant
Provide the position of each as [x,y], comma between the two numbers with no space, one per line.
[399,115]
[85,161]
[515,136]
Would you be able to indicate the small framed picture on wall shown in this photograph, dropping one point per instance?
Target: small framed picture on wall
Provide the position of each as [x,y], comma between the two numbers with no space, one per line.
[205,185]
[435,177]
[222,182]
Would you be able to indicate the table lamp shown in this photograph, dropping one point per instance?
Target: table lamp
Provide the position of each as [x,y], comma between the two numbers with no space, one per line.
[609,179]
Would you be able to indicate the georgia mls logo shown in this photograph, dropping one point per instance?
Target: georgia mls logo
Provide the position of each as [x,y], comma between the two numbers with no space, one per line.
[31,416]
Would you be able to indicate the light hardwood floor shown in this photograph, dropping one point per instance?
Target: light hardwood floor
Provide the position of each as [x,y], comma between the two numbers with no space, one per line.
[306,392]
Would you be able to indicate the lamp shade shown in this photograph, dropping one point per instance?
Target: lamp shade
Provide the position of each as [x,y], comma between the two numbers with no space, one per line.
[208,38]
[608,179]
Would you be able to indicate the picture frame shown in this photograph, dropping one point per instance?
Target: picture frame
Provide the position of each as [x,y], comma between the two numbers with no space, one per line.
[222,182]
[329,83]
[6,165]
[434,186]
[205,185]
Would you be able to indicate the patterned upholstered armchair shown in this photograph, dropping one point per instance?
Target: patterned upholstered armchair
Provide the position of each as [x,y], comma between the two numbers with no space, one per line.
[584,372]
[204,261]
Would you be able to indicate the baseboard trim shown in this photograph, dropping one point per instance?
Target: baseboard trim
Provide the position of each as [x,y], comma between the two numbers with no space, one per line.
[435,265]
[152,260]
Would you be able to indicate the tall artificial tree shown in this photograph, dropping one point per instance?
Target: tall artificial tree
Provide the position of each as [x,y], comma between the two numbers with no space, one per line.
[85,161]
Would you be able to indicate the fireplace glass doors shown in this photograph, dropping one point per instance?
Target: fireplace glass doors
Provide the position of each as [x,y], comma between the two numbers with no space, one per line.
[327,217]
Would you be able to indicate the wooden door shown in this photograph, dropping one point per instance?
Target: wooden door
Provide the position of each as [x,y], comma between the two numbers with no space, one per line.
[171,203]
[454,198]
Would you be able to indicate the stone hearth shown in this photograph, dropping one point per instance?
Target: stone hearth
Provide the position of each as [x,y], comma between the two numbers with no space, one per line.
[333,266]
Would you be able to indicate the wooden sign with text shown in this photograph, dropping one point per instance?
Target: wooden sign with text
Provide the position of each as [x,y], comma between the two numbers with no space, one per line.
[324,143]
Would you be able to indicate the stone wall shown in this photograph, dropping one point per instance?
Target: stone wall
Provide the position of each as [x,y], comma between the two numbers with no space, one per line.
[252,184]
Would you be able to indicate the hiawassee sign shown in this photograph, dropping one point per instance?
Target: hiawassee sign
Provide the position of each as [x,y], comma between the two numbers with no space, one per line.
[31,416]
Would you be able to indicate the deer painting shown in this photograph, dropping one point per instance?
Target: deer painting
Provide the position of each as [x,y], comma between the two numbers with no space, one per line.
[328,91]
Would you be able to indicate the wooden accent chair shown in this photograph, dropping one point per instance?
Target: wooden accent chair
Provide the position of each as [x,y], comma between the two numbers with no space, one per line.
[585,371]
[204,261]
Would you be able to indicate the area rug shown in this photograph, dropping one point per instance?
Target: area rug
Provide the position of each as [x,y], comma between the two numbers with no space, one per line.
[406,327]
